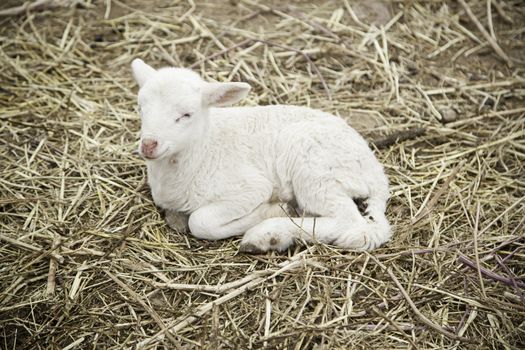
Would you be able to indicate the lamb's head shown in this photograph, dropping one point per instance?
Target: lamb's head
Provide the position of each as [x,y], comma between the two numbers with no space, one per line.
[174,105]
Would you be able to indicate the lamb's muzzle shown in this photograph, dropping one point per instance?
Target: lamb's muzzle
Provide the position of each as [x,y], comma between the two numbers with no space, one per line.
[233,170]
[148,148]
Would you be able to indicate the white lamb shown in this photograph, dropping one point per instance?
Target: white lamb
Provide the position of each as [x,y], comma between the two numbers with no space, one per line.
[232,169]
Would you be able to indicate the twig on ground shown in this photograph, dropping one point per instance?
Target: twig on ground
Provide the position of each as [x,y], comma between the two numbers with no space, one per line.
[222,288]
[493,276]
[308,59]
[501,12]
[422,317]
[222,52]
[476,249]
[28,246]
[487,36]
[512,277]
[51,276]
[399,136]
[433,201]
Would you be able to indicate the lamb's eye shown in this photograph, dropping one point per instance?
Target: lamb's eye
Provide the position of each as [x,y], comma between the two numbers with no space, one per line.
[185,115]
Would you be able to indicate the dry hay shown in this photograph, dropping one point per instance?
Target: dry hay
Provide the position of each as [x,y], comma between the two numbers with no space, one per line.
[88,262]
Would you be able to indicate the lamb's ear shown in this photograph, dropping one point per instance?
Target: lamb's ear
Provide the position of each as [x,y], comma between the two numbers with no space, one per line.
[224,94]
[141,71]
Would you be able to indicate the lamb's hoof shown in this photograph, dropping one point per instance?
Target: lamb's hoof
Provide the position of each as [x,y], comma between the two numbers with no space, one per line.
[177,221]
[250,248]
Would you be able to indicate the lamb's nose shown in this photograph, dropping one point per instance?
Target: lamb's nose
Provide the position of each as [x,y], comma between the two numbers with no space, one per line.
[148,147]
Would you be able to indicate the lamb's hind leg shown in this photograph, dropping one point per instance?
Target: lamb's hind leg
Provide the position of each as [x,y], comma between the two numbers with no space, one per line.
[344,227]
[280,233]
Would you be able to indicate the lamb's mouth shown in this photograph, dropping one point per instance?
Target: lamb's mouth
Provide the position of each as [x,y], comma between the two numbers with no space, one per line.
[156,157]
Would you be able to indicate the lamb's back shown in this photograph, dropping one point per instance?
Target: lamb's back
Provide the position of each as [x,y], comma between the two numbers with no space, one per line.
[261,118]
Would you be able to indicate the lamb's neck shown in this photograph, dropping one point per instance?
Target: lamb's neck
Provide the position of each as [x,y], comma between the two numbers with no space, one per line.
[170,176]
[195,152]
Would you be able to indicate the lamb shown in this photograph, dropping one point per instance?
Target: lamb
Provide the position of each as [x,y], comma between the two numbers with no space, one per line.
[235,170]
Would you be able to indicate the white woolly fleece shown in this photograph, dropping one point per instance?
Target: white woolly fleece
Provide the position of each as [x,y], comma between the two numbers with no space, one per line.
[232,169]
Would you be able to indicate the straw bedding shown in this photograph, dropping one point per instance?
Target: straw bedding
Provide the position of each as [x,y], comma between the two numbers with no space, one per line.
[88,262]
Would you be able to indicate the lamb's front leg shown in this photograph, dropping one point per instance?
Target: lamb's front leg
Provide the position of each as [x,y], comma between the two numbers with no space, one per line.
[225,219]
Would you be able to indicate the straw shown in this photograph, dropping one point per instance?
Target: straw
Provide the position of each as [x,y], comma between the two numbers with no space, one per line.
[436,88]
